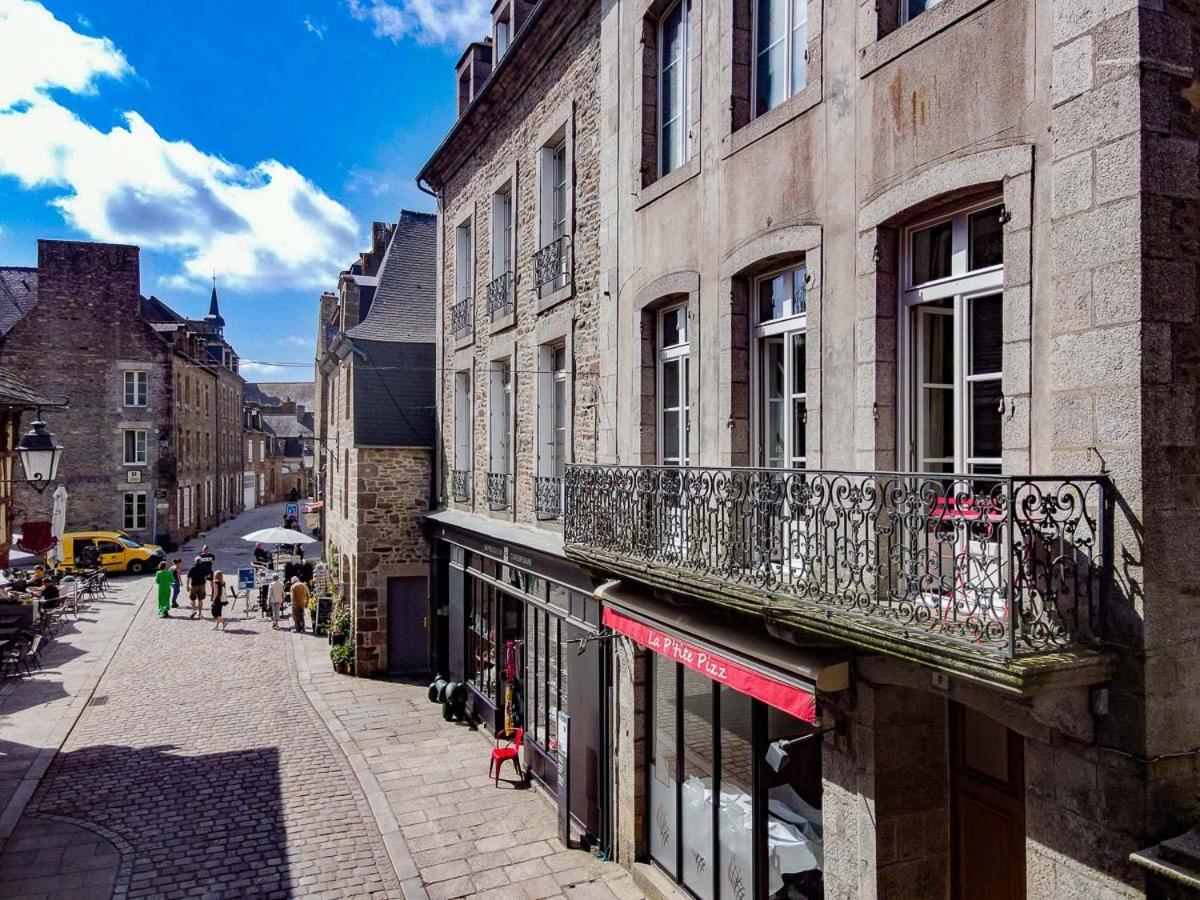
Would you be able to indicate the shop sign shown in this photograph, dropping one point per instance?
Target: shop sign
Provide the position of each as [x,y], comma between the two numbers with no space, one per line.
[772,691]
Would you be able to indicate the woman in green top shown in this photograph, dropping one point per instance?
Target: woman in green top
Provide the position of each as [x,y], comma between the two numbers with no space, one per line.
[164,578]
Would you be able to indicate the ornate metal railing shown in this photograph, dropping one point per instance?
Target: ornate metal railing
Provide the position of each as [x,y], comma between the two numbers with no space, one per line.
[500,297]
[547,496]
[1012,565]
[552,265]
[499,490]
[462,317]
[460,485]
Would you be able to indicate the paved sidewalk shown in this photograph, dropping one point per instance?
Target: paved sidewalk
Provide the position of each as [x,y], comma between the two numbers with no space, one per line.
[37,713]
[452,832]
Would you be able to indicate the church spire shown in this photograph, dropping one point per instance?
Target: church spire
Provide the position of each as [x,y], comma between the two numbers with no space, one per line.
[214,310]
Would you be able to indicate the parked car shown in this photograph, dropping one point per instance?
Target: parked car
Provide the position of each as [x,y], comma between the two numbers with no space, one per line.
[114,551]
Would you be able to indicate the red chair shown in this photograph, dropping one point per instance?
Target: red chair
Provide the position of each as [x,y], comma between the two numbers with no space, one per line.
[511,750]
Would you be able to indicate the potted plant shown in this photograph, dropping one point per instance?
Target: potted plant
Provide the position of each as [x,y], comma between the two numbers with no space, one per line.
[341,626]
[342,656]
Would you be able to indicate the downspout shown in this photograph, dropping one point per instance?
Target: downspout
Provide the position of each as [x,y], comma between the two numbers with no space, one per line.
[438,370]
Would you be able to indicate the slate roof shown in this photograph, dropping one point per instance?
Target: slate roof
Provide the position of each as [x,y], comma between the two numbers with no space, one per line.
[18,294]
[276,393]
[403,308]
[394,394]
[287,426]
[14,392]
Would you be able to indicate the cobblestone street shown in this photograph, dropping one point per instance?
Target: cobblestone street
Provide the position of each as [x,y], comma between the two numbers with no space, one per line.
[235,764]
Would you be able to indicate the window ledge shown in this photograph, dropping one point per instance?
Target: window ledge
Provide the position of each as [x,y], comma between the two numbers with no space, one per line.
[551,300]
[667,183]
[502,323]
[772,120]
[465,340]
[913,33]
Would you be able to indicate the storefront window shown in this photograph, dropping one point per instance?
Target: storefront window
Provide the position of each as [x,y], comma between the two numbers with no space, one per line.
[512,682]
[750,747]
[697,783]
[481,638]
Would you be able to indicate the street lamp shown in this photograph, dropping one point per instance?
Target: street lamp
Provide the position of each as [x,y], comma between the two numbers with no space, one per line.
[40,455]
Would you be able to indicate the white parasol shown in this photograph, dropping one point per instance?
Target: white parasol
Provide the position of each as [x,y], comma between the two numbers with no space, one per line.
[278,536]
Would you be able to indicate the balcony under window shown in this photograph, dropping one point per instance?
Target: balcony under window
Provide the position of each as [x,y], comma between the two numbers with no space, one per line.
[996,579]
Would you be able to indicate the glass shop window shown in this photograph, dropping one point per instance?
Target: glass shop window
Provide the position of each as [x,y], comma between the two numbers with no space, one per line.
[481,638]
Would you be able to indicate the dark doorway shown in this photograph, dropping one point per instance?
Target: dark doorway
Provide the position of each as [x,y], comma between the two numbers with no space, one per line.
[585,697]
[407,625]
[987,808]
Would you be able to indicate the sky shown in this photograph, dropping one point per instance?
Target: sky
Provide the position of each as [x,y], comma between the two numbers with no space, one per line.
[257,139]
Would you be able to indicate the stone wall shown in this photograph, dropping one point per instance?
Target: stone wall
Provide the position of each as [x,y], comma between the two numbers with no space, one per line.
[562,93]
[75,344]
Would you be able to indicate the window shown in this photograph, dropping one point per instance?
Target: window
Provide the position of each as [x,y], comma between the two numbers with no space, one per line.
[462,421]
[552,263]
[135,446]
[780,318]
[135,510]
[954,275]
[463,262]
[674,423]
[347,377]
[501,40]
[912,8]
[500,404]
[136,388]
[262,449]
[674,87]
[481,638]
[553,412]
[780,51]
[502,229]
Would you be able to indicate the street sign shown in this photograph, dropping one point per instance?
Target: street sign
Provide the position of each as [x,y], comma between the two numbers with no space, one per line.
[245,579]
[293,509]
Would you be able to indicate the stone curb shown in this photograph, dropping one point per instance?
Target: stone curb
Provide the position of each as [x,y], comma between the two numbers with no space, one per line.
[124,869]
[33,777]
[393,839]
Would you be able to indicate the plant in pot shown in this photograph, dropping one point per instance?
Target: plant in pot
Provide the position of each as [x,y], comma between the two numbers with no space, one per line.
[342,656]
[341,626]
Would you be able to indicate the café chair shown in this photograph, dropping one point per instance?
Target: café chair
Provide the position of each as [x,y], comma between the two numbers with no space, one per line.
[511,750]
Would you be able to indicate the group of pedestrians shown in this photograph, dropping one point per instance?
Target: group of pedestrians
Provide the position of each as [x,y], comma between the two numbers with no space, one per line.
[204,581]
[292,589]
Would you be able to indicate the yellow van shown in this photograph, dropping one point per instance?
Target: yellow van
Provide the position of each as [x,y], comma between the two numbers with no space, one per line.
[114,551]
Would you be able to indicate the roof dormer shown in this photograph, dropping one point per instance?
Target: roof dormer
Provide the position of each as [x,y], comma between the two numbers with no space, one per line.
[473,70]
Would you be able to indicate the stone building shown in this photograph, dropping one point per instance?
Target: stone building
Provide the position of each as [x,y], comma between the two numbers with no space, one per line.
[263,479]
[955,240]
[147,459]
[287,407]
[16,399]
[521,285]
[377,383]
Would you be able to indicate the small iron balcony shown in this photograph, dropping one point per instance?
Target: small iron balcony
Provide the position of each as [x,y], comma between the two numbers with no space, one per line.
[1007,566]
[462,318]
[499,490]
[460,485]
[552,266]
[547,497]
[500,297]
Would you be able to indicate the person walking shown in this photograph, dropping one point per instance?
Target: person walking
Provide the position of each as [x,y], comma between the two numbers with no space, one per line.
[299,602]
[164,579]
[218,601]
[197,579]
[275,598]
[176,581]
[208,560]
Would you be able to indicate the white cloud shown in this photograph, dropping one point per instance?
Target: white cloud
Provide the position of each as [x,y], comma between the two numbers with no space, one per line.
[295,340]
[260,226]
[313,28]
[257,368]
[453,22]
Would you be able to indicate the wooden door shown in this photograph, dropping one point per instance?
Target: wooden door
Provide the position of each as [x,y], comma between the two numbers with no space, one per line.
[408,625]
[987,808]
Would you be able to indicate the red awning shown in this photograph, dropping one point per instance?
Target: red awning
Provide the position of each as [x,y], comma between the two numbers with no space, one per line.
[774,691]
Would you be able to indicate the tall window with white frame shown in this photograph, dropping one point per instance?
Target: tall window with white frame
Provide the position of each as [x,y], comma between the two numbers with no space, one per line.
[460,476]
[674,87]
[500,405]
[552,263]
[780,322]
[135,446]
[135,510]
[953,303]
[462,319]
[553,424]
[136,384]
[500,289]
[673,378]
[780,67]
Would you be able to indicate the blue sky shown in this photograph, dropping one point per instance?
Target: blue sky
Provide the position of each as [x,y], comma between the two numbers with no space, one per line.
[260,139]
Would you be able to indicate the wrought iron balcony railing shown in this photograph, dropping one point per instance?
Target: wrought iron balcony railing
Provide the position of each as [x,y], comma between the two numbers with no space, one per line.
[462,317]
[547,497]
[499,490]
[460,485]
[1010,565]
[500,297]
[552,265]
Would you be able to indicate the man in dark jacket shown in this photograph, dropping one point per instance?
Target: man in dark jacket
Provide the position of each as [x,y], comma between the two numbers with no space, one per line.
[197,577]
